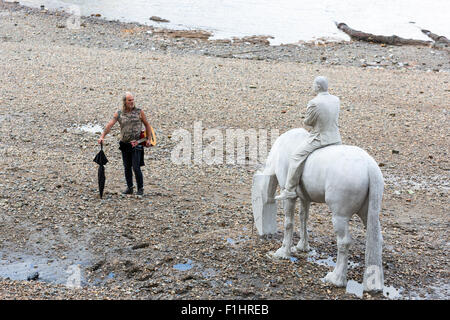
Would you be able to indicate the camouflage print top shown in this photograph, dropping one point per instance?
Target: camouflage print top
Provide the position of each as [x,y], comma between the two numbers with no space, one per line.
[130,125]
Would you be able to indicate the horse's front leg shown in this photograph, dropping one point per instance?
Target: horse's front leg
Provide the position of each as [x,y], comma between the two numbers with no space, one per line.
[303,244]
[285,251]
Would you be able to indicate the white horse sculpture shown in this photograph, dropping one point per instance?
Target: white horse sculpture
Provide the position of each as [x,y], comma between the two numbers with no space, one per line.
[344,177]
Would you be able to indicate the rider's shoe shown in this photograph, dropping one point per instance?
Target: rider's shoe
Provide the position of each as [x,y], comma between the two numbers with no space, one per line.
[285,194]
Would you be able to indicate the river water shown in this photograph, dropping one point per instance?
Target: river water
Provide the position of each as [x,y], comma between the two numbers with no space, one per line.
[288,21]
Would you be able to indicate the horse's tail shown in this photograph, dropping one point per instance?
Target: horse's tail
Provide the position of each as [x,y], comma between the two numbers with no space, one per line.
[373,275]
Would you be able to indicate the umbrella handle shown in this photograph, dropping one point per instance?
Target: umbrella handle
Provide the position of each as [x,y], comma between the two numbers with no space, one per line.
[101,145]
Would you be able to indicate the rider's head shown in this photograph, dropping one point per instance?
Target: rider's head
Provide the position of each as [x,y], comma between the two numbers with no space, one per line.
[320,84]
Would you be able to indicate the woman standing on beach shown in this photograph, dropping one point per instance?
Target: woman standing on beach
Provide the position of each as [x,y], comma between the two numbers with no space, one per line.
[130,119]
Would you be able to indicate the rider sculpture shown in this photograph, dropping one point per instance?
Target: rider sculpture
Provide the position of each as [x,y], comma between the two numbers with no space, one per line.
[322,115]
[344,177]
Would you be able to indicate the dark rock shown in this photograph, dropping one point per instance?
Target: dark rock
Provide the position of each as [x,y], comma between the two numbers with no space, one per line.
[183,290]
[98,265]
[33,277]
[140,245]
[187,277]
[158,19]
[145,277]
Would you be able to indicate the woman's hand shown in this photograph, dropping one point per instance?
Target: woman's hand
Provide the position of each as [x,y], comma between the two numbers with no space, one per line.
[147,143]
[100,140]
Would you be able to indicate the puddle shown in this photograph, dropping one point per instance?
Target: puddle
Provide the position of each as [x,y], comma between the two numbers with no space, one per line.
[356,288]
[230,241]
[329,261]
[183,266]
[91,128]
[440,290]
[391,292]
[239,240]
[22,267]
[353,287]
[209,273]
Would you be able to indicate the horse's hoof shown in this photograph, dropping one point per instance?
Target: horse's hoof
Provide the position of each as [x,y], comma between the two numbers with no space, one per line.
[372,288]
[296,250]
[279,254]
[301,247]
[373,279]
[337,280]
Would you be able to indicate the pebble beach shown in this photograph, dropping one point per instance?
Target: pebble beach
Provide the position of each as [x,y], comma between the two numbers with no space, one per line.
[191,235]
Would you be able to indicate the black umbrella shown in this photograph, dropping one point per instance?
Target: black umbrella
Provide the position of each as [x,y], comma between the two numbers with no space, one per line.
[100,159]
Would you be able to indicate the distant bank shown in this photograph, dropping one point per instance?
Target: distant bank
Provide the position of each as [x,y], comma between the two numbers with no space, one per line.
[288,21]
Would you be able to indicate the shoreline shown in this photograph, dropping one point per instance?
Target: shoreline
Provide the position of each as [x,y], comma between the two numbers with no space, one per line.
[55,79]
[111,33]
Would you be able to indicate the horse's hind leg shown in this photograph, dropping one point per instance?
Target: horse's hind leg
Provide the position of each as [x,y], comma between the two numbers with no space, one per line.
[285,251]
[341,227]
[362,212]
[303,244]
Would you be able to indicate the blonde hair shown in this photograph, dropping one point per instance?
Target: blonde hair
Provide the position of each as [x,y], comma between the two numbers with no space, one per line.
[124,100]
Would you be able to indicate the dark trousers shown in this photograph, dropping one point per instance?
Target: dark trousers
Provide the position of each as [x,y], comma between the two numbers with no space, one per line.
[132,160]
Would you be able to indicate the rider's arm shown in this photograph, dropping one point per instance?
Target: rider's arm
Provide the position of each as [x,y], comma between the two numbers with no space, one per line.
[311,115]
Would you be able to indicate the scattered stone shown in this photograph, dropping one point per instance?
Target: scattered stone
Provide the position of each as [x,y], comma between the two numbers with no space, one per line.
[98,265]
[140,246]
[33,277]
[158,19]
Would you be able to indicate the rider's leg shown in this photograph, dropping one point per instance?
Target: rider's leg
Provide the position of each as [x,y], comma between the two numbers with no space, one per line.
[296,163]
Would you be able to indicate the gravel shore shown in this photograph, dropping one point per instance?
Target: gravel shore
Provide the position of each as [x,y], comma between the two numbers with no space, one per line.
[191,235]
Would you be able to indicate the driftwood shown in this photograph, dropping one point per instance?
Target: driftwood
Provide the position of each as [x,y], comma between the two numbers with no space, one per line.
[435,37]
[368,37]
[158,19]
[193,34]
